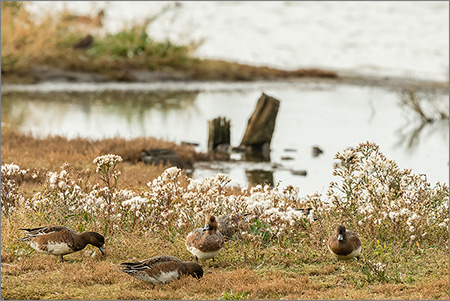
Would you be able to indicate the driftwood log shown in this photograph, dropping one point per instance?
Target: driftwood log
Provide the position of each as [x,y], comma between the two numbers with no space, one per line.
[260,127]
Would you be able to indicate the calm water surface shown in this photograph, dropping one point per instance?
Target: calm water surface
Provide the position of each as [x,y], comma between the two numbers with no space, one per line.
[329,116]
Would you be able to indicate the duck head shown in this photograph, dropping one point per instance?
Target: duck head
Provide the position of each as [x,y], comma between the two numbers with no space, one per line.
[194,269]
[96,240]
[210,223]
[341,233]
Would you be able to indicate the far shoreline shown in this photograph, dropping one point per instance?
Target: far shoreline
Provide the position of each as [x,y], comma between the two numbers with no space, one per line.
[48,74]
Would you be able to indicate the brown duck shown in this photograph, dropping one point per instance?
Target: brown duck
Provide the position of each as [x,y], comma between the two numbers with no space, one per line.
[59,240]
[205,242]
[161,269]
[344,244]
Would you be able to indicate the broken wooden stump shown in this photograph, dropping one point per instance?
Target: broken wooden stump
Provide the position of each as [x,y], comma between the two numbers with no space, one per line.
[260,127]
[219,134]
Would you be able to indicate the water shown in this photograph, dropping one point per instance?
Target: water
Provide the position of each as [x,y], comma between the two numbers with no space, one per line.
[330,116]
[401,38]
[409,39]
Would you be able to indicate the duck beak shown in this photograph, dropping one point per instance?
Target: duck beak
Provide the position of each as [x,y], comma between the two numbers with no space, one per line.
[207,227]
[340,237]
[102,250]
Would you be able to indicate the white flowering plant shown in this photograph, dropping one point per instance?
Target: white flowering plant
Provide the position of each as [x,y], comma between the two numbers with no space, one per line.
[59,195]
[12,177]
[377,199]
[106,169]
[372,197]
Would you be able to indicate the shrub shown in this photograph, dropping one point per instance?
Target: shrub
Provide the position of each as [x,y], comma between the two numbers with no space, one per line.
[380,201]
[372,197]
[12,177]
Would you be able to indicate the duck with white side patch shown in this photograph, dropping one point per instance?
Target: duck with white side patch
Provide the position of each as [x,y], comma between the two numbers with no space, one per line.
[207,242]
[161,269]
[59,240]
[58,248]
[163,277]
[202,255]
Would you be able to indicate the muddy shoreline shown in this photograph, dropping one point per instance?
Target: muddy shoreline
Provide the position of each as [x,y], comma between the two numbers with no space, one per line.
[46,74]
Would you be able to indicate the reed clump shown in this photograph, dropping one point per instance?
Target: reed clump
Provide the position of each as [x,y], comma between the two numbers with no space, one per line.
[24,39]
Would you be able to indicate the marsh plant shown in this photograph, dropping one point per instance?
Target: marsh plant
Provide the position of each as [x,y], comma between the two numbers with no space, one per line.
[12,177]
[383,201]
[371,195]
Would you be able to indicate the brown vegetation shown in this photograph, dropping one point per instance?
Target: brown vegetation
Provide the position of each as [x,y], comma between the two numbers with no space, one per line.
[294,264]
[99,278]
[52,152]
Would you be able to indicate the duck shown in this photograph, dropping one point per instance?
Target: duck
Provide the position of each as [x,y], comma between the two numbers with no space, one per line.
[344,244]
[60,240]
[161,269]
[230,224]
[207,242]
[84,43]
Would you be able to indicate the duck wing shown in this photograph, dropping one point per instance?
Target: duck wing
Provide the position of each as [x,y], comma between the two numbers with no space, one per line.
[30,233]
[148,263]
[353,237]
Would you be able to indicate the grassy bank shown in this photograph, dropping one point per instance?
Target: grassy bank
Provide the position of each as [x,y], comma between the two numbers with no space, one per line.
[42,155]
[28,44]
[401,218]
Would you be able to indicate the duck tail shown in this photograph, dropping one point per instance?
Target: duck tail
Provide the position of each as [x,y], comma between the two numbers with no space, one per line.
[128,267]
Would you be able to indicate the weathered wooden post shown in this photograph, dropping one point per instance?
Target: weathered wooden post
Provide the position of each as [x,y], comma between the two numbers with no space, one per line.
[260,127]
[219,134]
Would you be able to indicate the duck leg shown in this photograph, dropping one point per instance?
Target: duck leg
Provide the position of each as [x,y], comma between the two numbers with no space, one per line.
[196,259]
[62,258]
[30,252]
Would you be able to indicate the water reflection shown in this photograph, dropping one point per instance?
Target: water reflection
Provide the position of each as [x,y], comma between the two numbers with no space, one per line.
[411,135]
[428,116]
[97,113]
[334,117]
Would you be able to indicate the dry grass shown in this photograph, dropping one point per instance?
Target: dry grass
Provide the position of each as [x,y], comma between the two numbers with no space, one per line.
[52,152]
[23,39]
[99,278]
[294,267]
